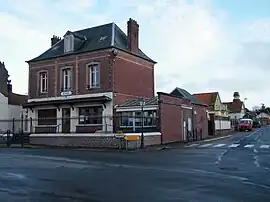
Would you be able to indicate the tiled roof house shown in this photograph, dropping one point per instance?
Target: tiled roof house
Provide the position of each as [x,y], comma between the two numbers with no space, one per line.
[236,108]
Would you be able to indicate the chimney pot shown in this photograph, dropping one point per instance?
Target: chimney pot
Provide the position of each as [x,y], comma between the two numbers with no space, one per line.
[54,40]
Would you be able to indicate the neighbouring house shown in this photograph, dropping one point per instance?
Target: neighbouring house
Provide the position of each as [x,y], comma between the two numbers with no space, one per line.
[236,108]
[166,118]
[75,84]
[218,111]
[10,103]
[264,118]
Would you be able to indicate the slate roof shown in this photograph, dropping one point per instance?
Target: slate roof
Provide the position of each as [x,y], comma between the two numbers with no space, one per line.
[179,92]
[136,102]
[92,39]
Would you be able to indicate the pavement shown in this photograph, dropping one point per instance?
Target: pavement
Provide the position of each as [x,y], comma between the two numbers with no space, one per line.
[232,169]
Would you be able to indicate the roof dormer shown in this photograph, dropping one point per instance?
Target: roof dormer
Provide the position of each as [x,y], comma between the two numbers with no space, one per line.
[68,42]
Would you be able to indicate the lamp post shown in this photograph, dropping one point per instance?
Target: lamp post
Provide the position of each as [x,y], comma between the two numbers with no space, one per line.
[245,104]
[142,103]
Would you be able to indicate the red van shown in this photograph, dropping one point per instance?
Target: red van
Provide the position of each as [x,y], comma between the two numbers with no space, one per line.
[245,125]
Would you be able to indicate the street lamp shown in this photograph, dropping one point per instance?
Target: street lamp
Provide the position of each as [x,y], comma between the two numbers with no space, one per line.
[142,103]
[245,104]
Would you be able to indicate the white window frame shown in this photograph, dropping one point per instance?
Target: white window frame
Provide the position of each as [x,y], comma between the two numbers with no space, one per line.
[94,69]
[68,43]
[43,77]
[132,118]
[66,73]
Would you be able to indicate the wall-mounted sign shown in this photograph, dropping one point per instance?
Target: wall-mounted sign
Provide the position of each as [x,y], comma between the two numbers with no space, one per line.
[66,93]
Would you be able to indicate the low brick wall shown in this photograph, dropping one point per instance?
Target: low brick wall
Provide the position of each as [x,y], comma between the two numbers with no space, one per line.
[89,141]
[148,141]
[75,141]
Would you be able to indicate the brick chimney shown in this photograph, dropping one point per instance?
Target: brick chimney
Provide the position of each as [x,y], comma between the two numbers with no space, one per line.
[55,39]
[133,36]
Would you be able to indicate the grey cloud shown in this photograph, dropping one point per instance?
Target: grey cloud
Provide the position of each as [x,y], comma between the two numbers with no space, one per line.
[255,55]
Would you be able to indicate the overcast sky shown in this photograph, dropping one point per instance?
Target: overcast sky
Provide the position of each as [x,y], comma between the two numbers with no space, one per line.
[200,45]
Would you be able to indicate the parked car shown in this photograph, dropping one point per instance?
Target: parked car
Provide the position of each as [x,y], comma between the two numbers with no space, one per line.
[245,125]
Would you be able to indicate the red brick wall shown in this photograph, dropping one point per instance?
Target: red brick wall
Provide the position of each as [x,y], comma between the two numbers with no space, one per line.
[171,114]
[133,78]
[201,121]
[79,77]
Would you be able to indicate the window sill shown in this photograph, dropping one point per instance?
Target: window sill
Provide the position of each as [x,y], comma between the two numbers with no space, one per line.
[43,92]
[137,126]
[41,126]
[93,87]
[89,125]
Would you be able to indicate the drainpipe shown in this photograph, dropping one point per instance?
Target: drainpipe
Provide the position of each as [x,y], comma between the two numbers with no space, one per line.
[159,120]
[142,103]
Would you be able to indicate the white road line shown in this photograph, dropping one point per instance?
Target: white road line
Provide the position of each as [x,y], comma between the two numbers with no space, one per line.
[249,146]
[192,145]
[234,145]
[264,146]
[205,145]
[219,145]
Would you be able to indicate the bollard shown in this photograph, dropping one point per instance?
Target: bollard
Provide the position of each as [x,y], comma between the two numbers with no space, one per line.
[22,139]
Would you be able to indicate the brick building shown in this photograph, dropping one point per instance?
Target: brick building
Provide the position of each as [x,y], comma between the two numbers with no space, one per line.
[96,67]
[79,90]
[167,118]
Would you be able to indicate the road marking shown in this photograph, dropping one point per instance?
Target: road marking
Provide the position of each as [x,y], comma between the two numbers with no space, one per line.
[264,146]
[234,145]
[219,145]
[254,132]
[205,145]
[249,146]
[192,145]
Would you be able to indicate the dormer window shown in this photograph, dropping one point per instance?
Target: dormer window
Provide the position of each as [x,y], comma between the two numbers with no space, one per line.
[69,43]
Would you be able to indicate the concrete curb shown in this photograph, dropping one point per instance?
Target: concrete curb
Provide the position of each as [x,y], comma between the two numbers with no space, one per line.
[216,138]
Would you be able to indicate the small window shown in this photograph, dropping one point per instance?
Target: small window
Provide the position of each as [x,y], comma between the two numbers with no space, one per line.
[94,71]
[43,82]
[66,80]
[90,115]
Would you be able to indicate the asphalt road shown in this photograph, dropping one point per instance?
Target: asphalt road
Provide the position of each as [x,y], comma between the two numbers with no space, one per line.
[211,171]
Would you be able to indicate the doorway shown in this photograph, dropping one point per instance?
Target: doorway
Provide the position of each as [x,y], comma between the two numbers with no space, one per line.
[66,120]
